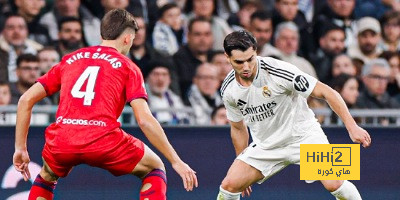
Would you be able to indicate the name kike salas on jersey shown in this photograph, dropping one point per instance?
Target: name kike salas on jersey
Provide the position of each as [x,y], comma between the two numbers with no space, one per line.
[115,63]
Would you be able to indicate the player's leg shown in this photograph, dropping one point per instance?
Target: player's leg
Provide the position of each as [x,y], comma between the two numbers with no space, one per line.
[152,172]
[342,190]
[132,156]
[44,184]
[239,177]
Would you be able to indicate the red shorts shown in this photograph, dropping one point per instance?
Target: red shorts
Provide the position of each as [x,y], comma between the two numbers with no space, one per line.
[119,160]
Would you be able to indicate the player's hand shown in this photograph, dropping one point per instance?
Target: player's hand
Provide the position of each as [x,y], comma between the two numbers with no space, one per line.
[247,192]
[21,161]
[188,175]
[359,135]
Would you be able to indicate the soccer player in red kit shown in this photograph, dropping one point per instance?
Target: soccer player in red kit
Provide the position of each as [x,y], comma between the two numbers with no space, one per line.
[94,84]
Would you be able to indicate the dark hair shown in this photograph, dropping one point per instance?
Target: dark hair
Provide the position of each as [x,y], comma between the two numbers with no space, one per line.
[330,27]
[325,28]
[389,54]
[65,20]
[26,58]
[255,3]
[152,64]
[215,110]
[215,53]
[261,15]
[388,16]
[8,16]
[4,83]
[197,19]
[338,82]
[239,40]
[115,22]
[167,7]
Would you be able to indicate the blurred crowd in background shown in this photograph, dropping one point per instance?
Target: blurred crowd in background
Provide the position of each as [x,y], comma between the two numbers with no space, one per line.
[351,45]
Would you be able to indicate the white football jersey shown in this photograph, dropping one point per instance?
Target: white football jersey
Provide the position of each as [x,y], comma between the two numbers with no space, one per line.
[274,106]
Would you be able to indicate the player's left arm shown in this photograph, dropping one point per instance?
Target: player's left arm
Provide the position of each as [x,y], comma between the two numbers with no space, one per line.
[24,112]
[336,102]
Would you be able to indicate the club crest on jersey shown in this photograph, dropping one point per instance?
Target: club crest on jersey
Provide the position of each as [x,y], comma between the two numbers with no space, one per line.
[266,92]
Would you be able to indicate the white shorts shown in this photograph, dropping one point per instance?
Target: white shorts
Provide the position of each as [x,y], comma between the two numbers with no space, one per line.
[271,161]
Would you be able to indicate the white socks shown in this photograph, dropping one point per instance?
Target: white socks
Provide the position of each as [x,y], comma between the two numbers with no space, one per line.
[347,191]
[226,195]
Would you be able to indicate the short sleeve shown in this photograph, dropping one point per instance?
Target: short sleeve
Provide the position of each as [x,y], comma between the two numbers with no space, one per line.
[289,76]
[232,111]
[51,81]
[135,85]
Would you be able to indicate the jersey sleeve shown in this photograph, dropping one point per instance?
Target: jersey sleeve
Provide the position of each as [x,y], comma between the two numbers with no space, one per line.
[232,111]
[135,85]
[51,81]
[290,77]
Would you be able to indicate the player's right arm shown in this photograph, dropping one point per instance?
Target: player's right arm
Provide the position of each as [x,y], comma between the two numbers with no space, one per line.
[24,112]
[47,85]
[239,135]
[155,134]
[240,140]
[239,132]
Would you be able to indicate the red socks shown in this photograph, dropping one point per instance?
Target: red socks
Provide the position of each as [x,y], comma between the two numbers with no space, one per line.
[42,188]
[154,186]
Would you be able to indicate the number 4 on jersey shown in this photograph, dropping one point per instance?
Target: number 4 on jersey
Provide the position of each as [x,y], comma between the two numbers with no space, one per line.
[88,95]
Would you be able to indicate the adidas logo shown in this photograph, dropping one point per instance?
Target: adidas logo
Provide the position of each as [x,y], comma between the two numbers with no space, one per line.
[241,102]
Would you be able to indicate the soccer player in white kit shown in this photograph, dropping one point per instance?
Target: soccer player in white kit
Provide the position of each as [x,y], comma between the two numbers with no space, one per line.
[269,96]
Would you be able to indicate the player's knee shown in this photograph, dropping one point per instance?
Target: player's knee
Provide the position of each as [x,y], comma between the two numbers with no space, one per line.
[333,185]
[47,174]
[156,164]
[231,185]
[159,164]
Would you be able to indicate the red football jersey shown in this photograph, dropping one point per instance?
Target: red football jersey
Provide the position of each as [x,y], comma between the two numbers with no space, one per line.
[95,83]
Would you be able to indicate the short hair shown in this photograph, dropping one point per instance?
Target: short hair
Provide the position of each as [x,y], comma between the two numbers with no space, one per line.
[215,53]
[197,19]
[167,7]
[115,22]
[239,40]
[286,25]
[206,64]
[387,55]
[379,62]
[4,83]
[47,48]
[330,27]
[65,20]
[8,16]
[261,15]
[26,58]
[256,3]
[153,64]
[389,15]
